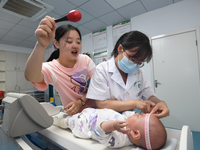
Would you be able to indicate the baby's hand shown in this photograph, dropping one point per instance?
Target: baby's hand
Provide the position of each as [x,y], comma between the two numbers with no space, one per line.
[121,126]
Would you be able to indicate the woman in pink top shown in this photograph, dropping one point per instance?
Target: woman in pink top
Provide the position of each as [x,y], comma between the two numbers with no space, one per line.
[67,70]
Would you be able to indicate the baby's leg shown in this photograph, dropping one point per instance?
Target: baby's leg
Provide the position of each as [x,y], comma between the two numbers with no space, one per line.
[77,123]
[64,121]
[60,120]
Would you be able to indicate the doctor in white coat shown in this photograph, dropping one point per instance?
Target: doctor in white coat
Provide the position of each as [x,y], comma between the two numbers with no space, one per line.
[120,83]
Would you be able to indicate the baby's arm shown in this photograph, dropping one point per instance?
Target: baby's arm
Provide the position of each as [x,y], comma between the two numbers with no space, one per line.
[112,125]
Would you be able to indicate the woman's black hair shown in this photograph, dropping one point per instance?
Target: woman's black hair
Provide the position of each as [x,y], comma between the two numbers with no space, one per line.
[60,31]
[134,39]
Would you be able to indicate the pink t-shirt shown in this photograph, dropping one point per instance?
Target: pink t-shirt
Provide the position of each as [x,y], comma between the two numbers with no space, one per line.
[70,83]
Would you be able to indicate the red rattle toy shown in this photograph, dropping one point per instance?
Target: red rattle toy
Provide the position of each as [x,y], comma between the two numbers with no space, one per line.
[73,16]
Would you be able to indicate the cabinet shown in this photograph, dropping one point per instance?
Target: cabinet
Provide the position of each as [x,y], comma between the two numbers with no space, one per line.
[14,72]
[57,99]
[2,71]
[38,95]
[15,61]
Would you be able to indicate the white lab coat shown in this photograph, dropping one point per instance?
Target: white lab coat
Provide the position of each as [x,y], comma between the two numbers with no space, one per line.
[107,83]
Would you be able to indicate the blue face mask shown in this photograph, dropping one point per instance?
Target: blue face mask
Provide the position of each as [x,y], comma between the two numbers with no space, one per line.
[126,65]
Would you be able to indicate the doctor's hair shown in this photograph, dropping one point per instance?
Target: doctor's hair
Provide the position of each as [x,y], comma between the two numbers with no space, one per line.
[60,32]
[134,39]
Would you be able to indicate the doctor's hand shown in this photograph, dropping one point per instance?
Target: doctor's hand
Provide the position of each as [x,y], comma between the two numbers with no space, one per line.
[73,107]
[144,106]
[160,110]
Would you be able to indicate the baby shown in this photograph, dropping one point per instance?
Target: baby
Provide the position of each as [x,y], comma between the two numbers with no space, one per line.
[115,130]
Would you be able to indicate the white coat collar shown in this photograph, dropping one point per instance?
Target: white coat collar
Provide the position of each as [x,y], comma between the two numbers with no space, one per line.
[116,76]
[111,63]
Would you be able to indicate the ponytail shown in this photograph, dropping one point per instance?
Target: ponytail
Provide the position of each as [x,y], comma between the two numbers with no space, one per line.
[54,55]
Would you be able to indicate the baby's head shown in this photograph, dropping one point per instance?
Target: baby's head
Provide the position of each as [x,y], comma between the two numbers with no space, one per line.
[147,131]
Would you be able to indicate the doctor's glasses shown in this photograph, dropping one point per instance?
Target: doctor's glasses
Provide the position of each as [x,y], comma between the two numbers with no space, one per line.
[132,59]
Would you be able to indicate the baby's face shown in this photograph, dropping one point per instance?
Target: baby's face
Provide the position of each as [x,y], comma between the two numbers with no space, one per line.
[136,121]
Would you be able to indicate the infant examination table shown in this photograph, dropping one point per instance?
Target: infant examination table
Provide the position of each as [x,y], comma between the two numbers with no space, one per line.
[38,119]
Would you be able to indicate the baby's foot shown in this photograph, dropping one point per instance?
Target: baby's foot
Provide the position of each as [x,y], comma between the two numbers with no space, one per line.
[60,120]
[55,121]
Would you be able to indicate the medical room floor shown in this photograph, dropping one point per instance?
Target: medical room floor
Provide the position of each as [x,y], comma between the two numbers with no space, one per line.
[196,140]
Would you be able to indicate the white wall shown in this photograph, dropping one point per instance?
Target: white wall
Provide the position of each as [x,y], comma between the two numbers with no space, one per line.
[176,17]
[179,16]
[87,44]
[11,48]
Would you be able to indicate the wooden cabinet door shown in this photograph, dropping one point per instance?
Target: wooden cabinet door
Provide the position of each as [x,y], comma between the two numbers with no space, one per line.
[11,81]
[21,61]
[11,61]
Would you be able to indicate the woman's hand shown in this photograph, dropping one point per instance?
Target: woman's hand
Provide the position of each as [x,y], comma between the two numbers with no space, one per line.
[45,32]
[160,110]
[73,107]
[144,106]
